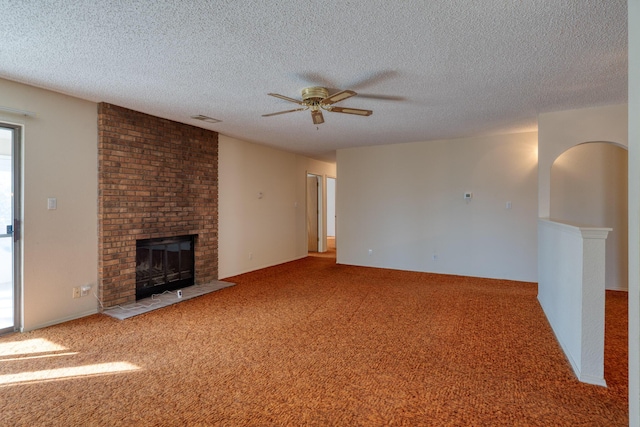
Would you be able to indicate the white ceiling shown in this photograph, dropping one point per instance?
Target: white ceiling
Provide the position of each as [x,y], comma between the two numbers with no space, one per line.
[428,69]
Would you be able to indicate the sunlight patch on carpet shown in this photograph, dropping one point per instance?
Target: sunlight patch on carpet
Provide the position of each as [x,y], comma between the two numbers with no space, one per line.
[32,346]
[31,377]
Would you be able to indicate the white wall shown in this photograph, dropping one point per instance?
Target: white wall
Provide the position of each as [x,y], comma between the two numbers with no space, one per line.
[589,187]
[571,292]
[60,247]
[634,212]
[257,232]
[405,203]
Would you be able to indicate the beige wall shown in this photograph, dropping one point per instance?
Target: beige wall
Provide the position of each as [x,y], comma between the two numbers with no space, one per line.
[59,160]
[262,219]
[405,203]
[589,188]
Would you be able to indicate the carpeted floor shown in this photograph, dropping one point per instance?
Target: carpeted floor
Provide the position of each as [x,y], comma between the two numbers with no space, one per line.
[315,343]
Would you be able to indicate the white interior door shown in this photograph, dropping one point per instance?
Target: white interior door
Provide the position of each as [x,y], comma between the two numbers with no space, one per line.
[312,213]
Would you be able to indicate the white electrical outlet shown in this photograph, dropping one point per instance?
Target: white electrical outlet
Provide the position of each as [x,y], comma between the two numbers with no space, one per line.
[435,257]
[84,290]
[370,252]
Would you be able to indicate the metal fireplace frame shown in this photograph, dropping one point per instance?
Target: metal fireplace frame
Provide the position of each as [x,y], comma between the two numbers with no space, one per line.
[156,279]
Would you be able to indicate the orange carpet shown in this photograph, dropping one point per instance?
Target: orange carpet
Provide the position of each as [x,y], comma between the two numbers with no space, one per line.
[312,343]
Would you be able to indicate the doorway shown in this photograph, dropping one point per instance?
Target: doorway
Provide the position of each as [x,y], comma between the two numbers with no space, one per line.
[9,230]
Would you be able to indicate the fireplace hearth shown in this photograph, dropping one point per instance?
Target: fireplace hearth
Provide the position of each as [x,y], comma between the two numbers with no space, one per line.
[164,264]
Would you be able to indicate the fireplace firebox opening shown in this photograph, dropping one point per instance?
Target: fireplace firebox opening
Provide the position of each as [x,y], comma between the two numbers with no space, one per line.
[164,264]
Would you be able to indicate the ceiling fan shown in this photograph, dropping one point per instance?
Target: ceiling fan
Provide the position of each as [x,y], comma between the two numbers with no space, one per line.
[317,99]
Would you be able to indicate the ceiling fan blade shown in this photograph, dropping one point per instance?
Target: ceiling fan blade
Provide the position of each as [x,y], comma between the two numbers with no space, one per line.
[371,79]
[286,98]
[337,97]
[356,111]
[283,112]
[317,79]
[381,97]
[317,117]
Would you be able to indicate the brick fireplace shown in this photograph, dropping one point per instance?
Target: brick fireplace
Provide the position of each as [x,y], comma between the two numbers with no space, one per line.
[156,179]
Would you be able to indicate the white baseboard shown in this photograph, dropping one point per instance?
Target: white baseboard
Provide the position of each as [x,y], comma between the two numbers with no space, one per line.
[62,320]
[249,270]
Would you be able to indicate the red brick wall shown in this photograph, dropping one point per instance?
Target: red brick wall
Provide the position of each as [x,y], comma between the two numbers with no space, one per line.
[156,178]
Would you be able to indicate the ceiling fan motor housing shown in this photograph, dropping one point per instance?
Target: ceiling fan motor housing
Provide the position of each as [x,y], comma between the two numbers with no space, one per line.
[313,95]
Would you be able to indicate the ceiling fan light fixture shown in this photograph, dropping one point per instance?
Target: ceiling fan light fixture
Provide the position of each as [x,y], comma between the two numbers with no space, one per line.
[316,116]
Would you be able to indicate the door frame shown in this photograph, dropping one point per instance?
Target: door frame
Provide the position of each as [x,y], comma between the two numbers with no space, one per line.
[333,203]
[16,177]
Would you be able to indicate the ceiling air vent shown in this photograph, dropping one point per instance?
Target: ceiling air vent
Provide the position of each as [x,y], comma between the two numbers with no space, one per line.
[206,119]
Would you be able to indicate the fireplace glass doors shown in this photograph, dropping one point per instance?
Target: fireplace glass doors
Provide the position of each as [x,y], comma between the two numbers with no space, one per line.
[164,264]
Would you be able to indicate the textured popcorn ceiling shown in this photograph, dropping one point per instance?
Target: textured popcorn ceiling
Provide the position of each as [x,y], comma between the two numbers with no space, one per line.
[428,69]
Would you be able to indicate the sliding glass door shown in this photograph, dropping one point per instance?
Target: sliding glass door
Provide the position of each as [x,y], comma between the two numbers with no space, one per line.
[9,191]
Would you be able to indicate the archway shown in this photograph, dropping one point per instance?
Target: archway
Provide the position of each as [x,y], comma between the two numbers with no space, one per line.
[589,188]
